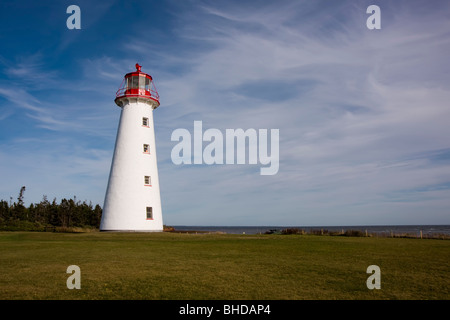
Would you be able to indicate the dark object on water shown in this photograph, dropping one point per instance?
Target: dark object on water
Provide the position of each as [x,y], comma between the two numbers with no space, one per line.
[272,231]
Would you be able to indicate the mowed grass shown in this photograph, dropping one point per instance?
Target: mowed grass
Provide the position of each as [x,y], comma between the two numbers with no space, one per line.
[214,266]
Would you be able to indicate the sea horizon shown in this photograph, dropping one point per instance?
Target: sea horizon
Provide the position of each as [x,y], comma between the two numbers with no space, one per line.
[378,229]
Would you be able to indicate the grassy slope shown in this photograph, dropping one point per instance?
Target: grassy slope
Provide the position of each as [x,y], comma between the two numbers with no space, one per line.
[204,266]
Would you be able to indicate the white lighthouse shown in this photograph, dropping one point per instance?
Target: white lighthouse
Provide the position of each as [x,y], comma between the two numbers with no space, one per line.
[132,200]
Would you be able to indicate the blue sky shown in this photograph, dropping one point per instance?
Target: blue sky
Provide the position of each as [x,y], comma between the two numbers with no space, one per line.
[363,114]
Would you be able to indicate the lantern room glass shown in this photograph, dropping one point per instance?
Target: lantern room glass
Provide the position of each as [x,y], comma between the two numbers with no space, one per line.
[139,82]
[133,82]
[142,82]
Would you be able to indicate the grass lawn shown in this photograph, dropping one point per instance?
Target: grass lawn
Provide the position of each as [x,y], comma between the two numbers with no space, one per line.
[220,266]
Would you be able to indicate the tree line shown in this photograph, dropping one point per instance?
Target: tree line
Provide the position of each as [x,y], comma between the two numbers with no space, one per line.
[46,215]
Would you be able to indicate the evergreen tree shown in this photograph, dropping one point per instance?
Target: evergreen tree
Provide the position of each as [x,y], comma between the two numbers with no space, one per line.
[68,213]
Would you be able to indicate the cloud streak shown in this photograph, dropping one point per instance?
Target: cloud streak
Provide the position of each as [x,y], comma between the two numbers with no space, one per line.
[360,108]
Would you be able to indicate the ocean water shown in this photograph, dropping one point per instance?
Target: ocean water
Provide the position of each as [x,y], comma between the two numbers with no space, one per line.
[381,230]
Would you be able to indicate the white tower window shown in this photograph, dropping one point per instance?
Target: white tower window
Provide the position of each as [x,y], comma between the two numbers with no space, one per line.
[145,122]
[146,148]
[149,213]
[147,181]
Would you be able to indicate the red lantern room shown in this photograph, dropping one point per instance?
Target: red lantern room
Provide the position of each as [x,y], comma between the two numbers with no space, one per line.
[137,85]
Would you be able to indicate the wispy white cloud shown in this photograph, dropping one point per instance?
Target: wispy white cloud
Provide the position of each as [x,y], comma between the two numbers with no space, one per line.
[29,69]
[365,102]
[21,98]
[55,167]
[59,146]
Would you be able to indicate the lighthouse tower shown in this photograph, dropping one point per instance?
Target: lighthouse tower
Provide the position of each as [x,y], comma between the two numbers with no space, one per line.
[132,200]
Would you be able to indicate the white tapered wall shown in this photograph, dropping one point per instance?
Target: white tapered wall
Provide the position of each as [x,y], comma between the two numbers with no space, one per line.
[127,197]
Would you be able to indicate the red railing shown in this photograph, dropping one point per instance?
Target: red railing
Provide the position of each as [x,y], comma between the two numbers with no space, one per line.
[125,91]
[137,92]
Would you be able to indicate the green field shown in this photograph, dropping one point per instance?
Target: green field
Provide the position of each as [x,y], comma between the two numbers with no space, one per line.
[220,266]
